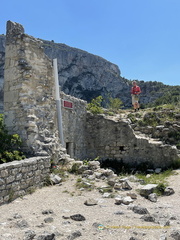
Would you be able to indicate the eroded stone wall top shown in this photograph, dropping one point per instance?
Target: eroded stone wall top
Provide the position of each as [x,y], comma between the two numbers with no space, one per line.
[13,29]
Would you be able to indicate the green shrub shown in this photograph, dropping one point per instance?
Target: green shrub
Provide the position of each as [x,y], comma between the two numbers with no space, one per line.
[154,178]
[159,190]
[115,103]
[132,118]
[9,145]
[95,105]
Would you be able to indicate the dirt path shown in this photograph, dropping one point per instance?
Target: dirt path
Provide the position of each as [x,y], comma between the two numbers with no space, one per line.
[118,221]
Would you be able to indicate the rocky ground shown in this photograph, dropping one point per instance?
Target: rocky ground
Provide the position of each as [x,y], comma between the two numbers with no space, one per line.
[102,206]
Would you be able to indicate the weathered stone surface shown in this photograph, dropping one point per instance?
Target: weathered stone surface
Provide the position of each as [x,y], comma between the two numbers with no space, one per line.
[93,165]
[132,195]
[117,186]
[106,195]
[74,235]
[125,185]
[175,234]
[152,197]
[22,224]
[23,176]
[168,191]
[148,218]
[48,211]
[147,189]
[140,210]
[48,220]
[46,236]
[55,179]
[91,202]
[127,200]
[29,235]
[78,217]
[118,200]
[163,237]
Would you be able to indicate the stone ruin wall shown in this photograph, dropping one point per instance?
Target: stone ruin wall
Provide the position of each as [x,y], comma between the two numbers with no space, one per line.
[74,126]
[116,140]
[29,105]
[18,178]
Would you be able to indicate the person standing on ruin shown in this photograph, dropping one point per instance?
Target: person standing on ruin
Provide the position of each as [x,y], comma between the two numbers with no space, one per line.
[135,91]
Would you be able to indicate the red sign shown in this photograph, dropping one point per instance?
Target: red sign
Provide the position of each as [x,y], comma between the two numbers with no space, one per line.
[67,104]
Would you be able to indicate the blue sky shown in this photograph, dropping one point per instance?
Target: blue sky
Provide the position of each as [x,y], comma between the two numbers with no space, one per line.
[141,36]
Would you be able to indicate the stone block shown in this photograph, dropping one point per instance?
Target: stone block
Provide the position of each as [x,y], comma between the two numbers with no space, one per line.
[127,200]
[10,179]
[2,182]
[147,189]
[3,193]
[4,173]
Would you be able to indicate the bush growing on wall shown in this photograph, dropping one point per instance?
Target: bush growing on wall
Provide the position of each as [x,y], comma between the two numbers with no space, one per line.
[9,145]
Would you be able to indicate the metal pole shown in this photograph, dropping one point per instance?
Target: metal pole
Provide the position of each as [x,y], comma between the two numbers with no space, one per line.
[58,102]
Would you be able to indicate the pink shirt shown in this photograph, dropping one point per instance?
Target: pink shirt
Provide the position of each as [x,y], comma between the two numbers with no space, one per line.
[135,90]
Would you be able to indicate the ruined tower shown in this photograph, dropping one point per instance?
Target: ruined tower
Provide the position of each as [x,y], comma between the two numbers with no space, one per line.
[29,105]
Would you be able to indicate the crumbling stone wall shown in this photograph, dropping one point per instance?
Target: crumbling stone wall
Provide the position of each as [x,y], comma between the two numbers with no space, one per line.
[115,139]
[21,177]
[29,106]
[74,126]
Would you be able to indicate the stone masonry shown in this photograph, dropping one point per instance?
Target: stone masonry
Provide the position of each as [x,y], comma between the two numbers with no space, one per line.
[29,105]
[114,139]
[21,177]
[74,126]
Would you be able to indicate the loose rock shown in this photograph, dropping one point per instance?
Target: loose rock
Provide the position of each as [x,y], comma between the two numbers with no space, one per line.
[175,234]
[46,236]
[55,179]
[78,217]
[127,200]
[29,235]
[125,185]
[49,211]
[168,191]
[22,224]
[48,220]
[148,218]
[140,210]
[91,202]
[74,235]
[147,189]
[118,200]
[152,197]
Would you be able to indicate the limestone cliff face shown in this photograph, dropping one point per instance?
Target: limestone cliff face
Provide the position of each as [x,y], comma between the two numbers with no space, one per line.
[85,75]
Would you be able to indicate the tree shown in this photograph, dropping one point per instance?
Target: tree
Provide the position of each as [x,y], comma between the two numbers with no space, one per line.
[9,145]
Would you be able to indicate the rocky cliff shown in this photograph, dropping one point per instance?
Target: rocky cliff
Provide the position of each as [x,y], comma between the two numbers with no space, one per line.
[87,76]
